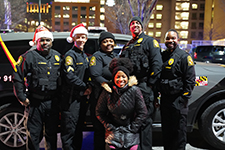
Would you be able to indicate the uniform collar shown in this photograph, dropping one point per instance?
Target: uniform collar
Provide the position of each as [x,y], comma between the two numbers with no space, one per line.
[77,50]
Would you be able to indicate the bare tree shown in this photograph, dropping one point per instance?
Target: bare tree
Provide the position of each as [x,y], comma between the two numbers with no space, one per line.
[124,10]
[214,30]
[18,12]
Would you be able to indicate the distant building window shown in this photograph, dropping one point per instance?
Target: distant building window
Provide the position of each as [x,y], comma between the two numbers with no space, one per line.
[182,6]
[194,6]
[66,16]
[152,16]
[151,34]
[181,25]
[102,9]
[83,8]
[202,6]
[200,35]
[66,8]
[193,34]
[201,16]
[74,8]
[158,16]
[151,25]
[184,34]
[92,8]
[193,25]
[57,15]
[194,16]
[74,24]
[201,25]
[158,34]
[65,23]
[182,16]
[57,23]
[83,16]
[74,15]
[159,7]
[102,17]
[57,7]
[158,25]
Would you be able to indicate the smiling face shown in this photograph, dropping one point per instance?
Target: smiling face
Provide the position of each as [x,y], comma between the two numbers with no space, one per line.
[80,40]
[120,79]
[107,45]
[171,40]
[135,28]
[44,45]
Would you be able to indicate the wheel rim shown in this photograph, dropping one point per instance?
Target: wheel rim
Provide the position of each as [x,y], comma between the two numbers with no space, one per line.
[12,130]
[218,125]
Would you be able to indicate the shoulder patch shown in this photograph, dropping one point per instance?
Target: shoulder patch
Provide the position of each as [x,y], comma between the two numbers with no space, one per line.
[69,61]
[19,61]
[190,61]
[92,61]
[155,43]
[171,61]
[140,40]
[57,58]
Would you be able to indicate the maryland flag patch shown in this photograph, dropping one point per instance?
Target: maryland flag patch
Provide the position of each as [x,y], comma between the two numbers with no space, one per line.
[69,61]
[201,81]
[190,61]
[155,43]
[92,61]
[57,58]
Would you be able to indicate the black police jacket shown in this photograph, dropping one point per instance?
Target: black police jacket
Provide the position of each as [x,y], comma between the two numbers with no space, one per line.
[144,53]
[178,73]
[75,71]
[37,73]
[99,69]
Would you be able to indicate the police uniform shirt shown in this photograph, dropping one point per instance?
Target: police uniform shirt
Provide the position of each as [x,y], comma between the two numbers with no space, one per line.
[152,49]
[179,64]
[37,67]
[74,67]
[99,66]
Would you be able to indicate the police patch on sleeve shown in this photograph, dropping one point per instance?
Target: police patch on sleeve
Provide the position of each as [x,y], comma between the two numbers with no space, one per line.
[155,43]
[92,61]
[190,61]
[57,58]
[69,61]
[19,61]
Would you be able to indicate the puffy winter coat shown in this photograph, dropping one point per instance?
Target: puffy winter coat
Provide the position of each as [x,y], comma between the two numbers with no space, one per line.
[122,113]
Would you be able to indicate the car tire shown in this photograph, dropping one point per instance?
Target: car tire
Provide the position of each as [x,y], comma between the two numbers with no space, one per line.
[212,125]
[12,130]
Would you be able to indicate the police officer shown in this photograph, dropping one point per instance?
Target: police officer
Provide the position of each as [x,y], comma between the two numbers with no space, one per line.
[40,67]
[176,84]
[144,53]
[100,74]
[75,89]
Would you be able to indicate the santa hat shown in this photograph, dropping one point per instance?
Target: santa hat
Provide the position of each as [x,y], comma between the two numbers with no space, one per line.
[78,29]
[39,33]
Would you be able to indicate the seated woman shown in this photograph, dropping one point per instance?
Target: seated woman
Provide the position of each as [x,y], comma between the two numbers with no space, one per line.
[122,109]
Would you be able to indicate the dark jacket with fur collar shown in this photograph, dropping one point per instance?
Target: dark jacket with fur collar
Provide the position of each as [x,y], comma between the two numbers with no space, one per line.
[122,113]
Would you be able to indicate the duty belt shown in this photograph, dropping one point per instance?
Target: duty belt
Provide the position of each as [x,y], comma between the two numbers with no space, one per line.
[43,97]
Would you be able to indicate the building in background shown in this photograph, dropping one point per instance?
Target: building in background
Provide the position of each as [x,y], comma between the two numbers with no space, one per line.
[186,16]
[68,13]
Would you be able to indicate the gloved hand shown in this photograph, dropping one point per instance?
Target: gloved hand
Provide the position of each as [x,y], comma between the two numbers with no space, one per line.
[106,87]
[132,81]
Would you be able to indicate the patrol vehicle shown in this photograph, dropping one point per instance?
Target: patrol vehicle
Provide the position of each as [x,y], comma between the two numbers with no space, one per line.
[206,107]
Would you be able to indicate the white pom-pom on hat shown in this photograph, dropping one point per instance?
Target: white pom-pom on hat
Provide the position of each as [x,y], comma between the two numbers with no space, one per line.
[78,29]
[39,33]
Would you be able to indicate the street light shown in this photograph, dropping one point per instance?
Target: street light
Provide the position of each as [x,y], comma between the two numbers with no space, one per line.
[39,12]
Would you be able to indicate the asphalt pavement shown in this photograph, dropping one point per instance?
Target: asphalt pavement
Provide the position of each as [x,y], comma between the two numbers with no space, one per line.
[88,143]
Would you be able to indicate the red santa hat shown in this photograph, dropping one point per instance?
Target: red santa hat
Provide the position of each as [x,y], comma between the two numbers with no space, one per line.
[78,29]
[39,33]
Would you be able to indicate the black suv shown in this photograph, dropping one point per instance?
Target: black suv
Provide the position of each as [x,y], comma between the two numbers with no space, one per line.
[206,107]
[209,53]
